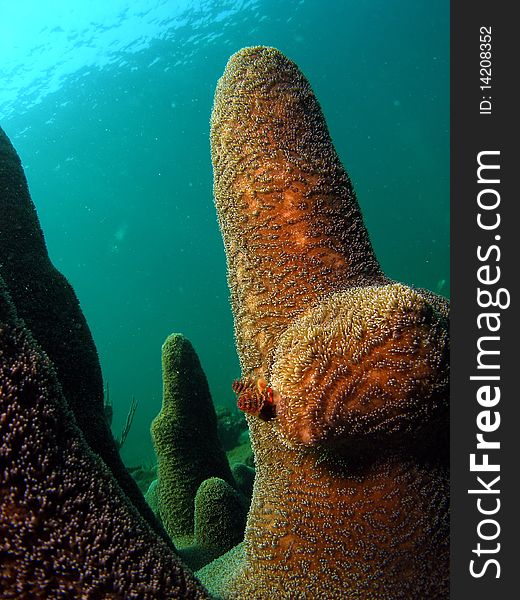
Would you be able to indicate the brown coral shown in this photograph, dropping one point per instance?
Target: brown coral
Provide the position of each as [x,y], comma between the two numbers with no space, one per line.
[46,302]
[290,220]
[351,495]
[363,365]
[66,528]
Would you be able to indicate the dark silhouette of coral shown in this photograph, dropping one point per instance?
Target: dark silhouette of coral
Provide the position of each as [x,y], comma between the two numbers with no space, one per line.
[351,492]
[185,438]
[50,309]
[244,477]
[66,528]
[230,425]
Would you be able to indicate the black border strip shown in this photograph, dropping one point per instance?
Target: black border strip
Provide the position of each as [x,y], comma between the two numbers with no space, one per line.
[474,131]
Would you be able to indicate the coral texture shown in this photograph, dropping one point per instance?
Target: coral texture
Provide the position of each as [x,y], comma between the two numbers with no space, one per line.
[66,528]
[219,573]
[351,492]
[220,516]
[49,307]
[151,497]
[185,438]
[366,365]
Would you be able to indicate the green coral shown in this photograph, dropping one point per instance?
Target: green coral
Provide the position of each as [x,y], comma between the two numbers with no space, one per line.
[185,438]
[151,498]
[220,516]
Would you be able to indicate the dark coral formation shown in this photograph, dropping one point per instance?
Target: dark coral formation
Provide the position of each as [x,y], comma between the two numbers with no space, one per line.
[66,528]
[230,425]
[244,476]
[351,493]
[50,309]
[185,438]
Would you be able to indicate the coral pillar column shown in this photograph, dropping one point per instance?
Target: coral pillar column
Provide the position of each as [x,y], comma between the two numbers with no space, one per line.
[351,494]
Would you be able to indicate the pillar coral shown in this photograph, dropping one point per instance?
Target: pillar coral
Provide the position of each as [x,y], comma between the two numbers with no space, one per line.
[185,438]
[220,515]
[351,494]
[46,302]
[67,530]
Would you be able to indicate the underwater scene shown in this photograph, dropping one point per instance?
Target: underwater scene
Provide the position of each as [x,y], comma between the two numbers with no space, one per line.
[224,283]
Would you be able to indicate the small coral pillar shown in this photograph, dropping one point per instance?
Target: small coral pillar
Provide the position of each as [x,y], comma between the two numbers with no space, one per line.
[185,437]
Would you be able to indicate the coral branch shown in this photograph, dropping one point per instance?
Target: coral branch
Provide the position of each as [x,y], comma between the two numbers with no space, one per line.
[290,220]
[185,438]
[351,493]
[46,302]
[66,528]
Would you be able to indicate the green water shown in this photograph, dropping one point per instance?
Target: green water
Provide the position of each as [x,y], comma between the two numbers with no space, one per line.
[108,105]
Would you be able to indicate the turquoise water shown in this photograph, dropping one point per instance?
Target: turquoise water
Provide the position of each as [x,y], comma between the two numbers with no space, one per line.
[108,105]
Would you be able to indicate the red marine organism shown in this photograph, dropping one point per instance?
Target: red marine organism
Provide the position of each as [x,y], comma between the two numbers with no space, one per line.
[255,397]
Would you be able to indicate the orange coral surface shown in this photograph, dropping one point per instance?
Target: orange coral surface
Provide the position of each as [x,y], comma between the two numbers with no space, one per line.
[351,494]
